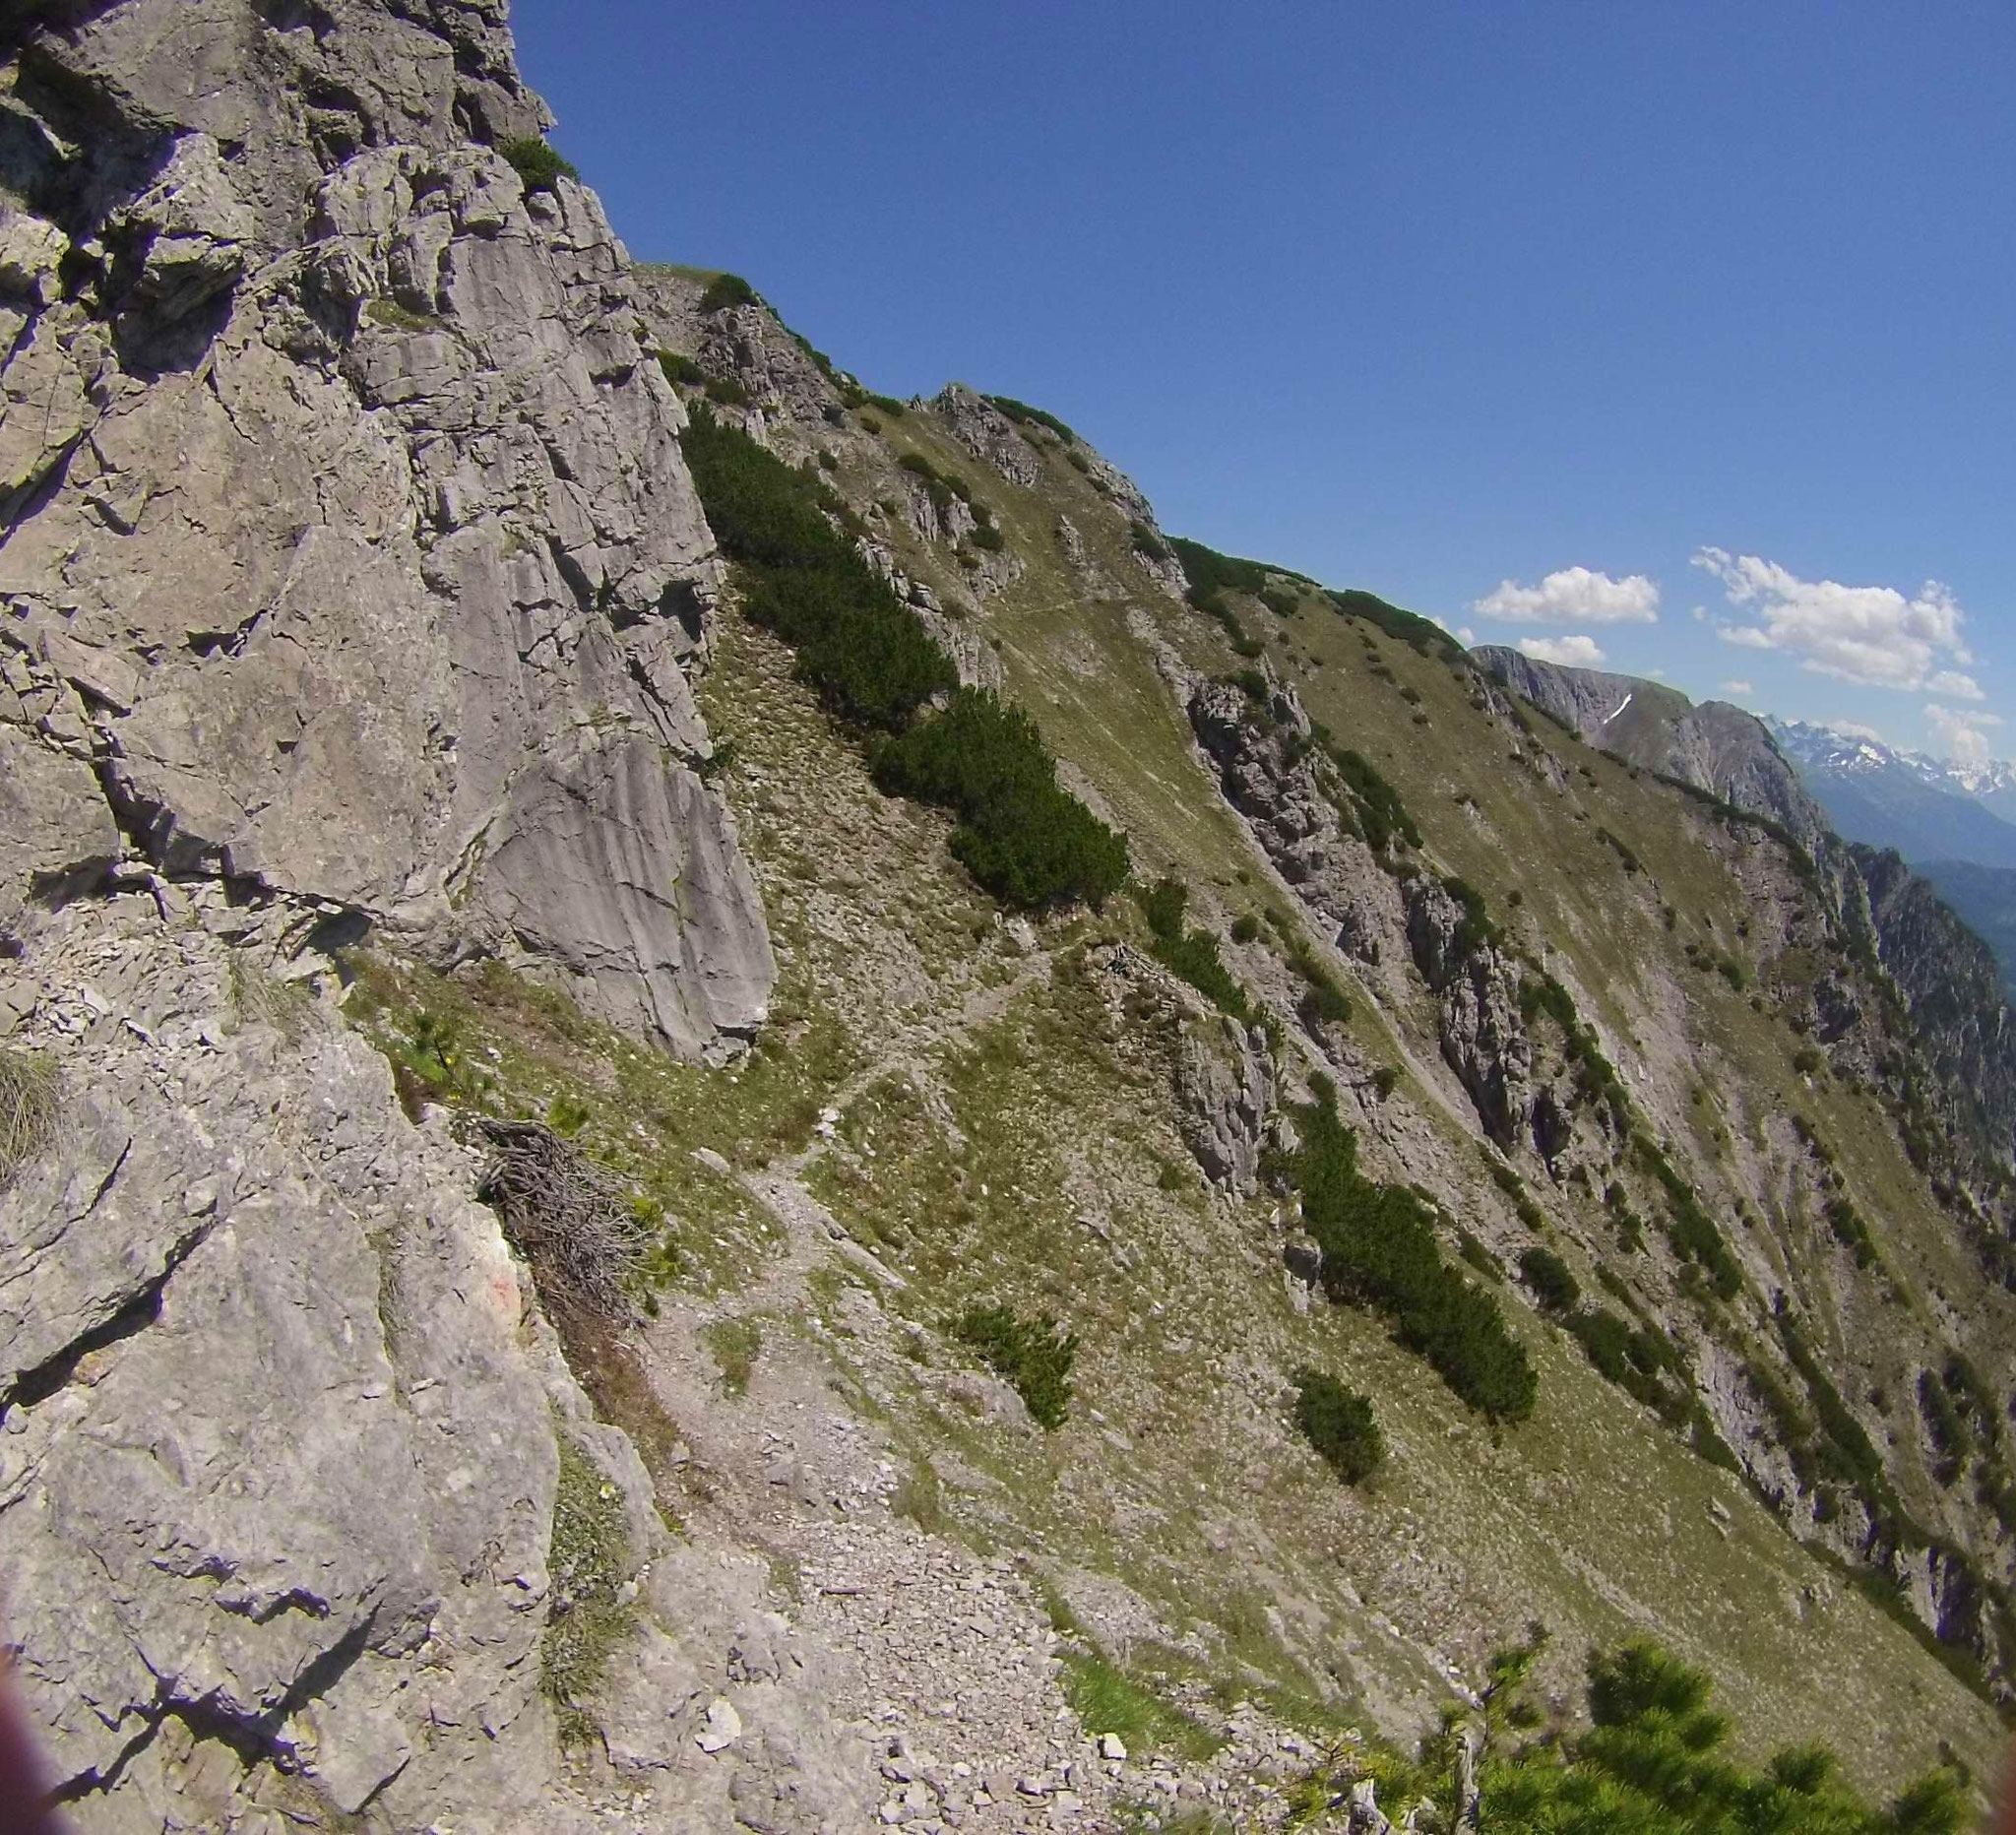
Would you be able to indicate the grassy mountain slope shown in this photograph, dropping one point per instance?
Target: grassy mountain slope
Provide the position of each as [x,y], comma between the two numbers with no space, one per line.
[979,1110]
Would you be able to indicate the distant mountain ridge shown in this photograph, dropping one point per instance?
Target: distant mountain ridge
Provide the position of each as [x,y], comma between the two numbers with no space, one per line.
[1713,746]
[1926,808]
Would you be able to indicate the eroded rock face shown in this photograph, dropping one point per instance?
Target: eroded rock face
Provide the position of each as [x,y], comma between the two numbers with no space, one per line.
[254,1542]
[1225,1094]
[349,553]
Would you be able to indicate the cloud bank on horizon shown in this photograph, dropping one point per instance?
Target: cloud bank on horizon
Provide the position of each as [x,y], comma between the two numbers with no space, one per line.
[1874,637]
[1577,651]
[1871,635]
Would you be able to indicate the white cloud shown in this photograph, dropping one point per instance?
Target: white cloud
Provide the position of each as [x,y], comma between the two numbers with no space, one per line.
[1576,652]
[1955,687]
[1873,635]
[1737,688]
[1964,733]
[1465,633]
[1852,730]
[1575,596]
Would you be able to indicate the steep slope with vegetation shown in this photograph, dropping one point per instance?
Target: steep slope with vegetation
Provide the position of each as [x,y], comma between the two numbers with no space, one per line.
[992,1165]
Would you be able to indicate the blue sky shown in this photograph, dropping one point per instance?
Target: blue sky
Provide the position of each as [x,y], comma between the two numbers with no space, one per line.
[1681,336]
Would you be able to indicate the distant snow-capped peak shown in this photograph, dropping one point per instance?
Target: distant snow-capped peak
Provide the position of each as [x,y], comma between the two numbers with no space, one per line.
[1817,747]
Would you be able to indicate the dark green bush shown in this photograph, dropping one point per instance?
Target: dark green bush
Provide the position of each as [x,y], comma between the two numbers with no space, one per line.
[1375,806]
[1656,1762]
[1553,1285]
[1191,954]
[987,535]
[1025,839]
[1691,1230]
[1024,416]
[1034,1355]
[538,166]
[1378,1244]
[681,369]
[888,404]
[1948,1429]
[1476,929]
[1245,927]
[1417,633]
[1340,1425]
[1595,1074]
[1146,542]
[801,577]
[1851,1230]
[727,290]
[1632,864]
[728,391]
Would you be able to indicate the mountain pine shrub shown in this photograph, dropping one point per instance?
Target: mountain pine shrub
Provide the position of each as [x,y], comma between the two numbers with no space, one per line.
[1550,1278]
[1340,1425]
[1024,416]
[1024,838]
[1191,954]
[539,167]
[1032,1355]
[727,290]
[861,646]
[1379,1248]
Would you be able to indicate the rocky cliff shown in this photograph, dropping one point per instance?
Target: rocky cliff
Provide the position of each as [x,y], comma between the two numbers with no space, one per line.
[349,560]
[352,586]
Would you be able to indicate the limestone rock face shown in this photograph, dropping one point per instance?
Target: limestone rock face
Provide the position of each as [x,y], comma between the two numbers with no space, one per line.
[1225,1089]
[349,553]
[249,1320]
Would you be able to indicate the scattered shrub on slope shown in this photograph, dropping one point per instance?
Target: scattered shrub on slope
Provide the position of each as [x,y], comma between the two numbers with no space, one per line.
[1379,1247]
[539,167]
[1020,835]
[727,290]
[1024,838]
[1190,954]
[1340,1425]
[1032,1355]
[1656,1762]
[856,642]
[1024,416]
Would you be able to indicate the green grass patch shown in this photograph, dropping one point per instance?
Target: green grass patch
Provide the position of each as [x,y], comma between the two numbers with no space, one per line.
[1107,1699]
[589,1559]
[735,1345]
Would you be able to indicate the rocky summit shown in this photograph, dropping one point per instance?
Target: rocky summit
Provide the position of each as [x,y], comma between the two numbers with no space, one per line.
[725,1105]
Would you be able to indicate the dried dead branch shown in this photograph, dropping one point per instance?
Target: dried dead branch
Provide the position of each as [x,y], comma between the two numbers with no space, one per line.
[567,1217]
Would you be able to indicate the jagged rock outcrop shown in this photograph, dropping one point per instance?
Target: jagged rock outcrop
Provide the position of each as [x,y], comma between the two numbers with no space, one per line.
[1714,746]
[1225,1094]
[1273,774]
[740,340]
[1949,980]
[348,555]
[1483,1038]
[987,433]
[257,1546]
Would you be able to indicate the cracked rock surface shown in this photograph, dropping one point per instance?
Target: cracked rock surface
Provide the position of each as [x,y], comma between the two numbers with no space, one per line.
[346,546]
